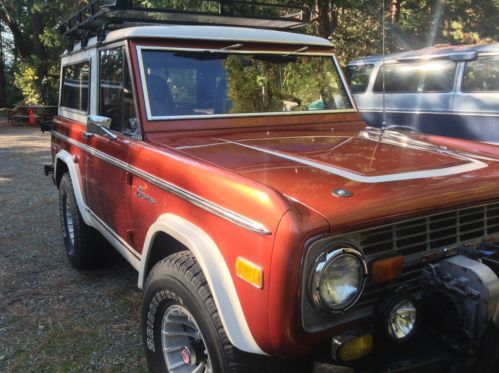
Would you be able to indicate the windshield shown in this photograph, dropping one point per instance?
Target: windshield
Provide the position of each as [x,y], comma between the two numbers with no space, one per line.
[212,83]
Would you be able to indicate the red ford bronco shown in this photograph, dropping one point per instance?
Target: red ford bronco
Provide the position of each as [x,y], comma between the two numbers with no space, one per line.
[230,167]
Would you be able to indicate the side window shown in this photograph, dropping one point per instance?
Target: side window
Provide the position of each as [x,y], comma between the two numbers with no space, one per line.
[398,78]
[358,77]
[481,75]
[75,86]
[417,77]
[115,91]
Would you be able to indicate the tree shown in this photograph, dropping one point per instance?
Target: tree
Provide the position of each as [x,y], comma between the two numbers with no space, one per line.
[354,26]
[3,85]
[37,46]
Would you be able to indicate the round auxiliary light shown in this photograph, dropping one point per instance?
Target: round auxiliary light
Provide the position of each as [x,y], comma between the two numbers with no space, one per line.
[402,319]
[339,278]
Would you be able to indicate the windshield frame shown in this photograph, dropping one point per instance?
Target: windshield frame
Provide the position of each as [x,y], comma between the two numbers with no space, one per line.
[152,118]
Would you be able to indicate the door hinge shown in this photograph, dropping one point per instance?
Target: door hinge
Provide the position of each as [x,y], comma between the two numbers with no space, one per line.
[129,178]
[130,237]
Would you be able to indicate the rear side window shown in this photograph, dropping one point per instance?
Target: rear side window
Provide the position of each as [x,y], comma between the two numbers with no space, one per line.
[481,75]
[75,86]
[416,77]
[358,77]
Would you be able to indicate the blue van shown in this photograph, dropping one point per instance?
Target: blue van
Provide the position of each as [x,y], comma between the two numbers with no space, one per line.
[449,91]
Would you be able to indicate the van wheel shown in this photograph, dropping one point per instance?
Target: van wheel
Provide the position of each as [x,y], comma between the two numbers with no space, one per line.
[182,329]
[85,247]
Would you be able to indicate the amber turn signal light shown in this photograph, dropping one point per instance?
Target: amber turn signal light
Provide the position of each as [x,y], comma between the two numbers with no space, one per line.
[386,269]
[356,348]
[249,272]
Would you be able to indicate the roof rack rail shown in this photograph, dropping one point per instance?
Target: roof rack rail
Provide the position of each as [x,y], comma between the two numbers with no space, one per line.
[101,16]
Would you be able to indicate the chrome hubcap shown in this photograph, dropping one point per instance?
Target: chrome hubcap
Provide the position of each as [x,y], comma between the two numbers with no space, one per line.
[183,344]
[69,223]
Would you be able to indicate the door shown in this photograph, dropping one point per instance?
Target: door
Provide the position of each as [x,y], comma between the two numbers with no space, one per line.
[108,189]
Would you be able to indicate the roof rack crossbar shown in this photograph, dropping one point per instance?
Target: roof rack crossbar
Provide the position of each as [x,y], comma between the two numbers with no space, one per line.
[115,14]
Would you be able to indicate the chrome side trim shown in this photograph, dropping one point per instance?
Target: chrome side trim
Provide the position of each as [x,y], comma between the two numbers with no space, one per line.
[116,237]
[209,206]
[417,112]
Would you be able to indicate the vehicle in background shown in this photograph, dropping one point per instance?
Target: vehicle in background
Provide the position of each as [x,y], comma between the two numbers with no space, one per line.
[448,91]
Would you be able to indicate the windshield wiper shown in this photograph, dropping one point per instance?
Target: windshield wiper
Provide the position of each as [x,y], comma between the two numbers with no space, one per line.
[299,50]
[233,46]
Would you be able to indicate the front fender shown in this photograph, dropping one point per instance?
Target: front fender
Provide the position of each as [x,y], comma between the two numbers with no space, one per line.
[215,270]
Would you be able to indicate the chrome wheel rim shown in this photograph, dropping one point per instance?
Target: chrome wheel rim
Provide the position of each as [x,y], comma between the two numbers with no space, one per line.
[184,349]
[70,229]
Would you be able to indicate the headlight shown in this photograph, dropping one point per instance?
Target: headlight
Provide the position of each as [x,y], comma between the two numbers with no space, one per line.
[339,278]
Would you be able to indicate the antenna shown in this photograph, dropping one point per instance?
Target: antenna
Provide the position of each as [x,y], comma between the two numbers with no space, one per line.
[383,122]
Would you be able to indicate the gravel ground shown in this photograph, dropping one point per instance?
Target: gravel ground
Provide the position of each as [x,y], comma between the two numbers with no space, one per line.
[53,317]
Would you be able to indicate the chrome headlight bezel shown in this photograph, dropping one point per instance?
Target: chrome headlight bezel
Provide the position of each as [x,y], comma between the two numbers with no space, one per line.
[322,262]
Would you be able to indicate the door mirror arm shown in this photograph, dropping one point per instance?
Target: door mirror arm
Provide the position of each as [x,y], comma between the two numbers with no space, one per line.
[100,125]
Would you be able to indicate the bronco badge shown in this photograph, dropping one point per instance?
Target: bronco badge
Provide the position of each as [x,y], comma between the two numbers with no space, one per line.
[140,194]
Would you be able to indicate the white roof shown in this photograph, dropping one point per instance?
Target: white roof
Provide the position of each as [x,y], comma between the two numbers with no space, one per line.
[216,33]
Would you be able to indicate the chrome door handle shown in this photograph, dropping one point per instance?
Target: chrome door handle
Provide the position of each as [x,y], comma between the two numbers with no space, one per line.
[88,135]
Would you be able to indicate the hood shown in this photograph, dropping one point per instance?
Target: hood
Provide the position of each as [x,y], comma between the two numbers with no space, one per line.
[386,175]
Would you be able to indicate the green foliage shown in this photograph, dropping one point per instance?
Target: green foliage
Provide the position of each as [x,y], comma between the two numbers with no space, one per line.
[26,79]
[299,84]
[180,5]
[36,46]
[354,26]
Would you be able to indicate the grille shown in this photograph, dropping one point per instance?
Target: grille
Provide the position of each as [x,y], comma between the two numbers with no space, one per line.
[430,232]
[409,237]
[433,231]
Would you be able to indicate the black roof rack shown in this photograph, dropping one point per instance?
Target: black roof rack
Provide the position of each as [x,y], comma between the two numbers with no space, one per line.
[100,16]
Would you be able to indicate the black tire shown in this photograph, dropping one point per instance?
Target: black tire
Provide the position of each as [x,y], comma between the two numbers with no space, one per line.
[88,248]
[178,281]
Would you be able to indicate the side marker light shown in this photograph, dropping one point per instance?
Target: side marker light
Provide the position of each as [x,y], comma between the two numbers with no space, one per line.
[388,269]
[249,272]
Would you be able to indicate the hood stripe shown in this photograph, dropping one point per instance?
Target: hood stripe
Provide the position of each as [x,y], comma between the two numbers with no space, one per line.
[472,165]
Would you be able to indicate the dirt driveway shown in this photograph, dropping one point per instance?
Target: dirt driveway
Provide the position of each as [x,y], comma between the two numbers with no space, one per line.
[52,317]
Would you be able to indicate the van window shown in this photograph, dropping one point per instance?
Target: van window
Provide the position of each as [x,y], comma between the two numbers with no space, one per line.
[75,86]
[481,75]
[358,77]
[414,77]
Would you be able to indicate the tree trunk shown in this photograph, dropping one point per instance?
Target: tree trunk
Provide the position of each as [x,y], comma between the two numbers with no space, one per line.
[324,21]
[3,94]
[20,42]
[40,53]
[395,11]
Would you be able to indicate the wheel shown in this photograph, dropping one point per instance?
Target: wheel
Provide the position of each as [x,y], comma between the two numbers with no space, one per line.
[85,247]
[182,330]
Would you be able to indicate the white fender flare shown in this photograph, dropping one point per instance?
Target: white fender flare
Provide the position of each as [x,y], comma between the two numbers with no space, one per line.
[215,270]
[75,174]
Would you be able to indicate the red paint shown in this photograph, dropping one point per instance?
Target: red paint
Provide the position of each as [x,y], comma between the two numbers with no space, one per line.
[293,200]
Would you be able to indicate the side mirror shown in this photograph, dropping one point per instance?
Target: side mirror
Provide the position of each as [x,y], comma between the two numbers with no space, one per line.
[101,126]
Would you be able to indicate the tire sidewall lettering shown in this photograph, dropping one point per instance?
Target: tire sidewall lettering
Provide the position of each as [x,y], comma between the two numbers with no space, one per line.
[160,300]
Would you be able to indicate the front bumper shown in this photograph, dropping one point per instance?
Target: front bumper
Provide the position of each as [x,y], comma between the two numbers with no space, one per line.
[426,353]
[458,330]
